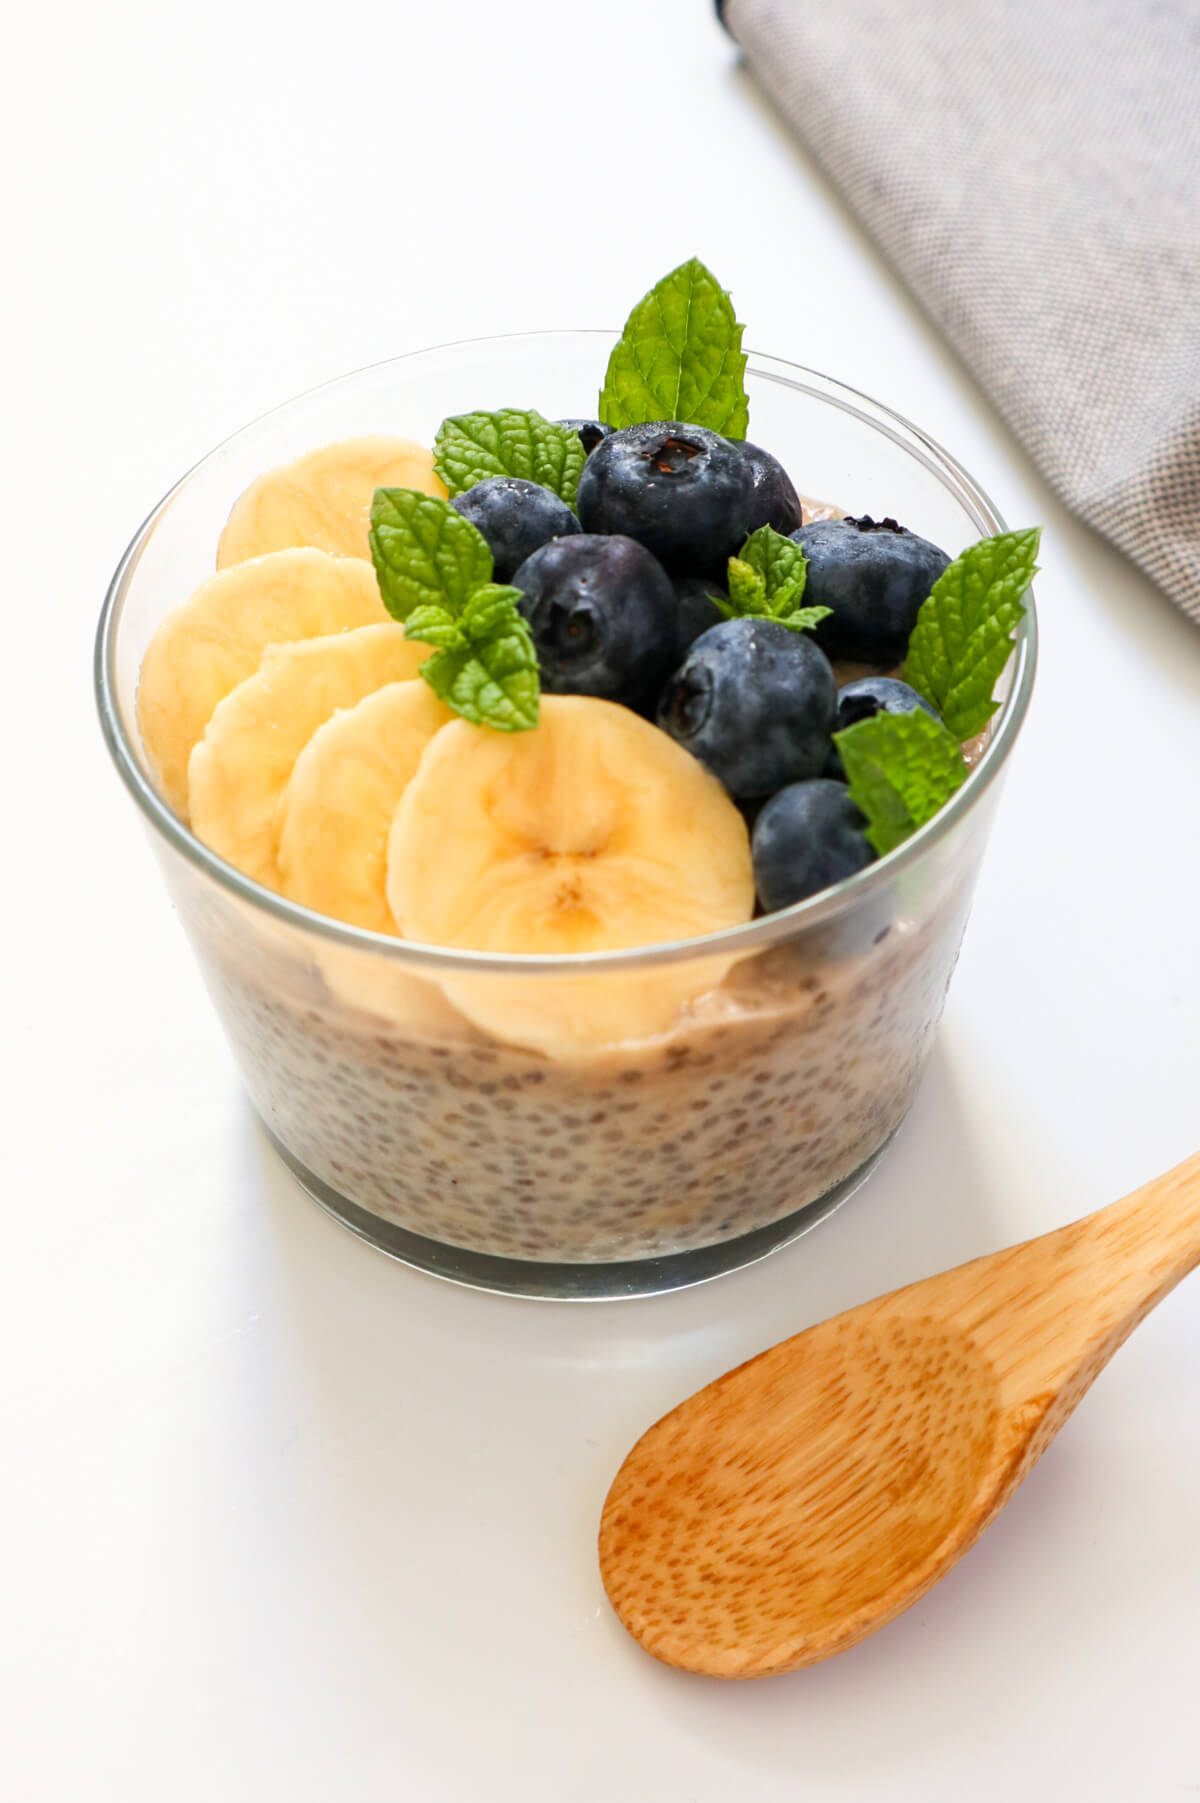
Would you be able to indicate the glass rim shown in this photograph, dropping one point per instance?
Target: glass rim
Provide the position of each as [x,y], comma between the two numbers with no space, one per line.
[749,936]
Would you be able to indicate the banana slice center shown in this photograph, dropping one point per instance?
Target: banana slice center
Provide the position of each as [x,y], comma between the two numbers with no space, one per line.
[594,832]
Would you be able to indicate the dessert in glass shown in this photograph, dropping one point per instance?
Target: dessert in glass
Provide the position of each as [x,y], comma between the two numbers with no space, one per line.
[547,979]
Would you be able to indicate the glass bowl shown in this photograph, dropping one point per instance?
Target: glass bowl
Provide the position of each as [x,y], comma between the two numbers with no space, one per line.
[721,1096]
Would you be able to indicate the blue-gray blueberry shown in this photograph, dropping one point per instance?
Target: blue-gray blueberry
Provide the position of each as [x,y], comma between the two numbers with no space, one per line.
[603,617]
[755,702]
[515,517]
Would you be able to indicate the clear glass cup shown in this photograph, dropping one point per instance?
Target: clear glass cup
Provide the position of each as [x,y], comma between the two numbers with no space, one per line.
[415,1091]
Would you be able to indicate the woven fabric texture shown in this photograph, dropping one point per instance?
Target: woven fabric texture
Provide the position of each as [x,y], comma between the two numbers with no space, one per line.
[1032,169]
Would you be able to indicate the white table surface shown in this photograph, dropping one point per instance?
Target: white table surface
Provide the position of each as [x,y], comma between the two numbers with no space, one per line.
[282,1519]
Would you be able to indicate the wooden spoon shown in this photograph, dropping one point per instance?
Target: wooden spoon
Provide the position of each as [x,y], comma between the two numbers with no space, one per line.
[789,1509]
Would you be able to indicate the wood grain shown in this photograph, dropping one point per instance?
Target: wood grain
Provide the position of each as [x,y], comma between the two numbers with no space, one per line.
[803,1500]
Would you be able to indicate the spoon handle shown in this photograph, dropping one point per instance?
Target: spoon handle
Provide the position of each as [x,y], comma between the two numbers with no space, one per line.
[1083,1289]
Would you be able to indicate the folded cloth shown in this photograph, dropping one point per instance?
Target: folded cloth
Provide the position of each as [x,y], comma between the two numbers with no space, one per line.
[1032,168]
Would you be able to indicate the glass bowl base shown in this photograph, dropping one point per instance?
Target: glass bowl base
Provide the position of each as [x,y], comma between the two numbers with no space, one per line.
[543,1280]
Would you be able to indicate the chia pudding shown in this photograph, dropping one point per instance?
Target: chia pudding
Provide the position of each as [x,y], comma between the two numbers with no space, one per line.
[768,1092]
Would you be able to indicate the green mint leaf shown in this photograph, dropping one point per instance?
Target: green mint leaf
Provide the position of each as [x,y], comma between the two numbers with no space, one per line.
[782,565]
[486,668]
[766,581]
[964,632]
[490,608]
[798,619]
[492,679]
[472,446]
[434,572]
[424,552]
[802,619]
[680,358]
[433,625]
[901,769]
[747,589]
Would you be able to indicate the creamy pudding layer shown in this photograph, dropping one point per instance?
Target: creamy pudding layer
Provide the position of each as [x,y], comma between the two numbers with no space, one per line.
[766,1093]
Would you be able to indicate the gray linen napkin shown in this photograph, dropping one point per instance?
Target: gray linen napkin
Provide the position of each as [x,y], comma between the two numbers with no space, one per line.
[1032,168]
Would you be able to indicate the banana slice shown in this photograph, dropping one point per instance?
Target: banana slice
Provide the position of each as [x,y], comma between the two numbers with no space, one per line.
[410,1006]
[203,649]
[239,770]
[343,792]
[324,498]
[336,813]
[594,832]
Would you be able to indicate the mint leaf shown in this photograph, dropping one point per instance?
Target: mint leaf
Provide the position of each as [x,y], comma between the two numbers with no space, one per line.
[488,671]
[433,625]
[901,769]
[424,552]
[491,607]
[747,589]
[434,572]
[680,358]
[782,565]
[494,684]
[964,632]
[472,446]
[766,581]
[802,619]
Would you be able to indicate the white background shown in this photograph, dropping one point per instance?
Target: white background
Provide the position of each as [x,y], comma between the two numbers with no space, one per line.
[281,1519]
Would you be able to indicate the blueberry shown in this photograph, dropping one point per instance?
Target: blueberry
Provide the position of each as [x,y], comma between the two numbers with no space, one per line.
[681,491]
[872,695]
[602,612]
[874,575]
[755,702]
[833,767]
[862,700]
[697,610]
[808,836]
[590,431]
[515,517]
[773,500]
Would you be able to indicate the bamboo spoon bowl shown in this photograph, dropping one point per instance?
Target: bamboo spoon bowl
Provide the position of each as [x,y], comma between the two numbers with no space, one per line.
[786,1511]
